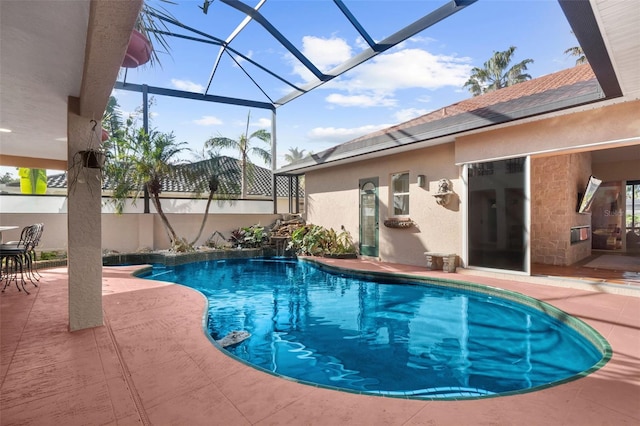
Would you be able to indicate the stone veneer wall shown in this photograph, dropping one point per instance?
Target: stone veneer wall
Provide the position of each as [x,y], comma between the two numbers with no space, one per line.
[555,184]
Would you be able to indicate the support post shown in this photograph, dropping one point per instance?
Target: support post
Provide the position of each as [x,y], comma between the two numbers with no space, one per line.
[84,224]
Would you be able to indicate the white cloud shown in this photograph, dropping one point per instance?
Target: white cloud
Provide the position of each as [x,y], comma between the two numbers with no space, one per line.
[262,123]
[361,100]
[324,53]
[409,113]
[408,69]
[208,120]
[187,85]
[375,82]
[240,60]
[341,134]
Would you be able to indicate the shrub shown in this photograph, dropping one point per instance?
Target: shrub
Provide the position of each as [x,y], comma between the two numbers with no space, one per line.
[314,240]
[252,236]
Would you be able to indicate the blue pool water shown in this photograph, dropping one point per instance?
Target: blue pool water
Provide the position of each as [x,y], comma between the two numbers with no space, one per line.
[380,337]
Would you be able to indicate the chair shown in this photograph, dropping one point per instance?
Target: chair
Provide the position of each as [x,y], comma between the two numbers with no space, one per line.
[36,231]
[18,256]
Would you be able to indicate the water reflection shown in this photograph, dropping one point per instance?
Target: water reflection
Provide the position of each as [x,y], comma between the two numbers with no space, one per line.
[339,331]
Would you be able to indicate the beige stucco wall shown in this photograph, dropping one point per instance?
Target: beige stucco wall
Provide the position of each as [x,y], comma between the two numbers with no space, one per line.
[555,184]
[188,225]
[617,125]
[131,232]
[618,170]
[333,201]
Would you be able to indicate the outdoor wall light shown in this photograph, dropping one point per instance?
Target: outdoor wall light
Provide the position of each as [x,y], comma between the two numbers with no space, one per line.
[422,180]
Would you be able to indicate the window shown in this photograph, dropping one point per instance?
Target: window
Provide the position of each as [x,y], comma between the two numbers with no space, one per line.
[400,193]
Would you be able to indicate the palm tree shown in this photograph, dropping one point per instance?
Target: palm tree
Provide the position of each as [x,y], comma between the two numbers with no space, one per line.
[136,160]
[151,24]
[144,161]
[493,76]
[223,181]
[294,155]
[244,148]
[577,51]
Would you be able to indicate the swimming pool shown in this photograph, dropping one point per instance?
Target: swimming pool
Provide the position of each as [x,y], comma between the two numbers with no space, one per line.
[381,336]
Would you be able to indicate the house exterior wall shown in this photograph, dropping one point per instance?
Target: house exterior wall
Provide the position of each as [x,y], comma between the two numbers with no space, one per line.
[604,127]
[618,170]
[555,184]
[561,163]
[333,201]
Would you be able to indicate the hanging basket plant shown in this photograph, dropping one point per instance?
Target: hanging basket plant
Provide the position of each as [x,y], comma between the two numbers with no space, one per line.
[93,159]
[86,162]
[398,223]
[138,51]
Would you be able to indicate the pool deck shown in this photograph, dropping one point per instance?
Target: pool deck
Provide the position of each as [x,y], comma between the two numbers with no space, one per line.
[151,363]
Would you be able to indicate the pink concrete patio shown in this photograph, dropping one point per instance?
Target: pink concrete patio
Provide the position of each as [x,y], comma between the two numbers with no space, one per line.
[151,363]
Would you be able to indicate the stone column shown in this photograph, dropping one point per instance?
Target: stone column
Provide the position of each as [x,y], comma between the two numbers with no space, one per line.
[83,224]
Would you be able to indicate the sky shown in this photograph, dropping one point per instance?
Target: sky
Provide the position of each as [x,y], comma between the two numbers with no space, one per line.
[422,74]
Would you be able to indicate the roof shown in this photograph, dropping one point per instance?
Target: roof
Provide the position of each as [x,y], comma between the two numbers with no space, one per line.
[79,45]
[560,90]
[226,168]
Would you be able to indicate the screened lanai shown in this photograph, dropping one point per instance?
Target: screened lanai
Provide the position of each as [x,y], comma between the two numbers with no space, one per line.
[62,60]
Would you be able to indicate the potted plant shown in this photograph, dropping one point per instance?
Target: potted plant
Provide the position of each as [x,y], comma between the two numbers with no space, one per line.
[92,158]
[138,51]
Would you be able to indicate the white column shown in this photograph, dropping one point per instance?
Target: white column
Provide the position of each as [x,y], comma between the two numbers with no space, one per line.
[83,224]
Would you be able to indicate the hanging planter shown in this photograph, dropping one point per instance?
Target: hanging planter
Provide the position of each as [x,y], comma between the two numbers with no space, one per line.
[398,223]
[138,51]
[92,159]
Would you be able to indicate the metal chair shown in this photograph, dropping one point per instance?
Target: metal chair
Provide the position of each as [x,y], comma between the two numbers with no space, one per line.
[16,256]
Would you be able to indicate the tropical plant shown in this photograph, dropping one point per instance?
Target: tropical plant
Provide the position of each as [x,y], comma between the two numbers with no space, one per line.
[151,23]
[495,75]
[315,240]
[244,148]
[222,181]
[8,178]
[137,160]
[144,161]
[253,236]
[577,51]
[294,155]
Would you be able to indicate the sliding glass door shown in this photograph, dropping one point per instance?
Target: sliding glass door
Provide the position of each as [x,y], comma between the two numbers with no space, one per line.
[633,216]
[497,214]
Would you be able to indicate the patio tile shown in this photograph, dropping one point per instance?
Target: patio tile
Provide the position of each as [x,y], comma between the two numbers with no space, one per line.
[121,399]
[215,364]
[274,393]
[154,332]
[326,407]
[140,345]
[88,405]
[206,405]
[158,383]
[27,385]
[52,349]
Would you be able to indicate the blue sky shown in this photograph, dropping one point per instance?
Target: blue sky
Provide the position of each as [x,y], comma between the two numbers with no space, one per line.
[420,75]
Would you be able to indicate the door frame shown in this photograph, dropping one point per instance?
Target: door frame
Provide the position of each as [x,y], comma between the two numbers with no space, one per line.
[369,250]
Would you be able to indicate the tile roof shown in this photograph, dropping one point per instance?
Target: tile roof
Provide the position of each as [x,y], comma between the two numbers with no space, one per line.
[227,169]
[570,87]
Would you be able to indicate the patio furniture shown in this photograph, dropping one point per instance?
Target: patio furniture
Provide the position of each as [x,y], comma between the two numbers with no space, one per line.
[443,261]
[36,231]
[18,256]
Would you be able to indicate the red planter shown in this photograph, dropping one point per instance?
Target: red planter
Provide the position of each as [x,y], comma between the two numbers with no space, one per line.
[138,52]
[105,135]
